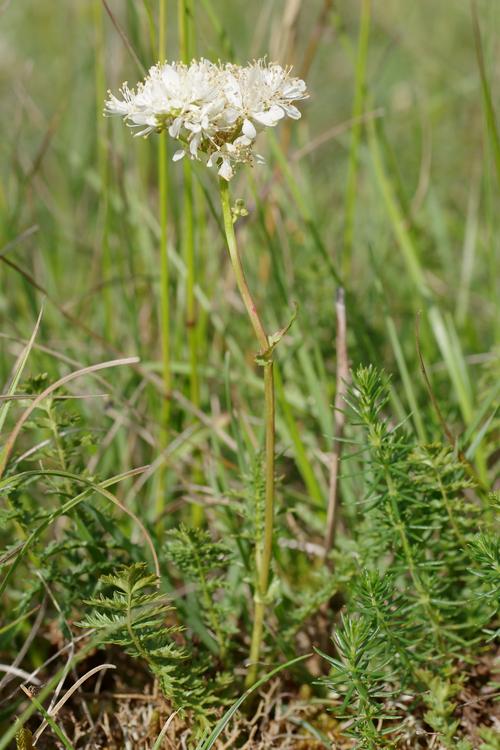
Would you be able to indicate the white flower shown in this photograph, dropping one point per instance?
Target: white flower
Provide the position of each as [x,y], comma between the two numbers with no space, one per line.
[215,111]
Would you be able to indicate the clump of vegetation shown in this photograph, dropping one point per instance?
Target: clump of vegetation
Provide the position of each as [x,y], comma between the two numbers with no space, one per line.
[223,522]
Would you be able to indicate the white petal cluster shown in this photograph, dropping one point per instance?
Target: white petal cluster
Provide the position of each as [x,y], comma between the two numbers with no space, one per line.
[214,110]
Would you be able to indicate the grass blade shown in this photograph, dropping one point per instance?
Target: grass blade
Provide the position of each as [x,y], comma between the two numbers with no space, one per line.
[50,721]
[18,371]
[163,732]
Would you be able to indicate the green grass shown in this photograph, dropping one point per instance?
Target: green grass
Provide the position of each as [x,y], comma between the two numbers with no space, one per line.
[399,206]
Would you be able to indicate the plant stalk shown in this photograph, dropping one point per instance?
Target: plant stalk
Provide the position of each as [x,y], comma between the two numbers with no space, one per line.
[188,242]
[102,162]
[263,547]
[164,265]
[164,272]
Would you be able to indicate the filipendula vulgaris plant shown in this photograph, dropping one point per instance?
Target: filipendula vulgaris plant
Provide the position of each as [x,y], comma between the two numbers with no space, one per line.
[135,615]
[215,111]
[427,582]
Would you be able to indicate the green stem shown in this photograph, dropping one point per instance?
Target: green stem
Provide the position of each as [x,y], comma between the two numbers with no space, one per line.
[238,268]
[164,281]
[263,550]
[263,547]
[164,264]
[191,307]
[164,276]
[102,162]
[162,30]
[188,243]
[185,16]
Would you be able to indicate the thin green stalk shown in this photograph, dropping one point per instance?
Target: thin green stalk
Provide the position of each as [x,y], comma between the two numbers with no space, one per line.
[357,112]
[164,280]
[202,317]
[164,264]
[188,246]
[238,268]
[162,30]
[185,17]
[102,164]
[188,242]
[263,548]
[294,435]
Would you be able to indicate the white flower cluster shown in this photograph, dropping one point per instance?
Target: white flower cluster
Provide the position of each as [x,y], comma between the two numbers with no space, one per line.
[213,110]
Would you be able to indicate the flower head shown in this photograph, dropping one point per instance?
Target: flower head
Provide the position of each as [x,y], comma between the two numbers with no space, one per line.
[214,111]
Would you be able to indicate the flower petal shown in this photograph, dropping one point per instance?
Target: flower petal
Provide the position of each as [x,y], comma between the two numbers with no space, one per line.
[226,170]
[270,117]
[175,127]
[249,129]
